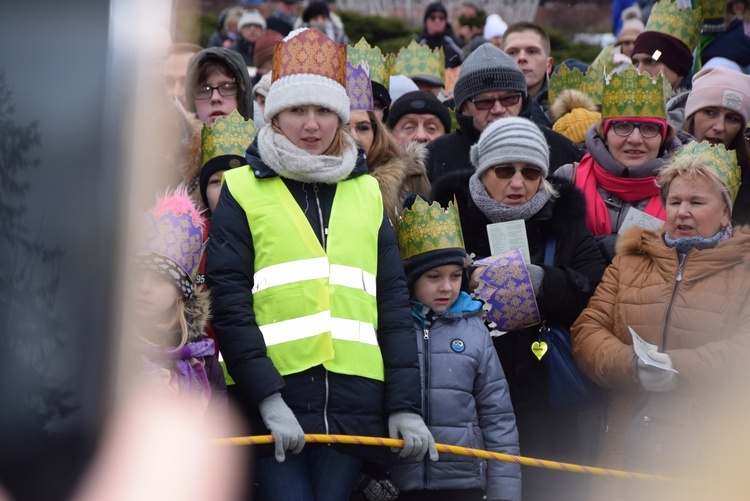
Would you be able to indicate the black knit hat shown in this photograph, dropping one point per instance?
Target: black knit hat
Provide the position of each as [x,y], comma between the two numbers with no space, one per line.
[487,69]
[382,96]
[435,7]
[673,53]
[222,162]
[315,9]
[420,103]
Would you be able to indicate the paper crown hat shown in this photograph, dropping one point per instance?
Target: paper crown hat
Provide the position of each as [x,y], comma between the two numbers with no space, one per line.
[173,239]
[592,83]
[308,68]
[711,9]
[419,61]
[721,161]
[683,24]
[359,88]
[428,227]
[630,94]
[362,53]
[227,136]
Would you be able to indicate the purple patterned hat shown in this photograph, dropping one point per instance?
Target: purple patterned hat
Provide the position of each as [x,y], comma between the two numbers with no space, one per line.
[174,240]
[359,88]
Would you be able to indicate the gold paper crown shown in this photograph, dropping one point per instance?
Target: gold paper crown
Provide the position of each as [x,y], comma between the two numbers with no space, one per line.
[592,83]
[721,161]
[711,9]
[227,136]
[309,51]
[418,60]
[362,53]
[631,94]
[683,24]
[428,227]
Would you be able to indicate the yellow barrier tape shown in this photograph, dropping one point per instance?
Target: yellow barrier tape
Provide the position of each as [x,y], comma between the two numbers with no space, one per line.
[458,450]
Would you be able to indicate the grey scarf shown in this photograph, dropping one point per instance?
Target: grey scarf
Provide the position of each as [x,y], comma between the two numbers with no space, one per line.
[498,212]
[294,163]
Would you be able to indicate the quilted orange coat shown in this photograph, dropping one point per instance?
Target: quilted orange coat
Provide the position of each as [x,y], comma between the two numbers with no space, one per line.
[698,313]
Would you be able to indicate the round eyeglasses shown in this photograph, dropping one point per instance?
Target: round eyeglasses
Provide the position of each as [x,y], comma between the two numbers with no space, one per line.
[226,89]
[647,130]
[507,172]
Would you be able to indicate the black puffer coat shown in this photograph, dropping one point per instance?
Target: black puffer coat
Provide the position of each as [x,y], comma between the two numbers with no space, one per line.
[322,401]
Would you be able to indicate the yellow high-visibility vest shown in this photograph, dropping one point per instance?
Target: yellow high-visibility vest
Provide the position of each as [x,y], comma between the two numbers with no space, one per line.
[313,305]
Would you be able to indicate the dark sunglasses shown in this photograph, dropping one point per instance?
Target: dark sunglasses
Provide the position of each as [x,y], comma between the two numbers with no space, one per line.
[485,104]
[436,17]
[507,172]
[647,130]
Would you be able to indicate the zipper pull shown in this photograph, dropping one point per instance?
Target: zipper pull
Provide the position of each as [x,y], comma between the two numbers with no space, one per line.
[426,336]
[679,269]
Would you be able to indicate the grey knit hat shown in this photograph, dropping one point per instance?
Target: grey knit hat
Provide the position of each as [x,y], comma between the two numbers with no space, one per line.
[510,139]
[487,69]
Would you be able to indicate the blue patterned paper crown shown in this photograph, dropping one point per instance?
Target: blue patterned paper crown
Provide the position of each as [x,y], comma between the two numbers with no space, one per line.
[359,88]
[174,239]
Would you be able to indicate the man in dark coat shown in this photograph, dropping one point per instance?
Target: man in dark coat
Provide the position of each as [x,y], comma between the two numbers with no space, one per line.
[490,86]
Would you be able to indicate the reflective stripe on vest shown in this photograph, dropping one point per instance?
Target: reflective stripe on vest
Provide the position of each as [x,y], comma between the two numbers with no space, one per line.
[314,306]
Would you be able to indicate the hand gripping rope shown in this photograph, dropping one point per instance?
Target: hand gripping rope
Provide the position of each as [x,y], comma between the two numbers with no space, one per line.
[454,449]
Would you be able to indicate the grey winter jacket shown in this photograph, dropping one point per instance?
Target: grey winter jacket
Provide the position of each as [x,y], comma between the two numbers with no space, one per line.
[465,401]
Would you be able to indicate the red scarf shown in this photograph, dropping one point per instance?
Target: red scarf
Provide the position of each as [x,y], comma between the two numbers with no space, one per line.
[590,175]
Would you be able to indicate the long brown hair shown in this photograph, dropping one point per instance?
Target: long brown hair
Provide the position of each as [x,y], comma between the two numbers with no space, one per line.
[384,146]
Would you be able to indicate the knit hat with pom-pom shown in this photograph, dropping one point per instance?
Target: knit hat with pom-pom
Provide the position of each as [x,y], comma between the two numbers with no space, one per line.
[573,112]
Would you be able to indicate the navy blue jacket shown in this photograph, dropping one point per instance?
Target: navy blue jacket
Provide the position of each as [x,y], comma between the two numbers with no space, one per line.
[324,402]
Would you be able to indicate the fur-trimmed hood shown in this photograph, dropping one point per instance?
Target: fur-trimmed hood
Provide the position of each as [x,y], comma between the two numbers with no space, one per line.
[197,313]
[401,176]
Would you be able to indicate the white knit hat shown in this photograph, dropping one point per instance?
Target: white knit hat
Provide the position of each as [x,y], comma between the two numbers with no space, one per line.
[510,139]
[308,68]
[251,16]
[494,27]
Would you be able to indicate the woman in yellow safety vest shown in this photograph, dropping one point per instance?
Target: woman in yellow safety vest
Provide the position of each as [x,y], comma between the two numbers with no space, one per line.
[310,301]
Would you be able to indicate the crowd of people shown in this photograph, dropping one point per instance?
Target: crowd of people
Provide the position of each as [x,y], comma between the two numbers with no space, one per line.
[319,267]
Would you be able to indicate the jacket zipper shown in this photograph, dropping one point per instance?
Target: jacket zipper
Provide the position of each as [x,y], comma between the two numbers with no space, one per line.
[323,229]
[677,282]
[425,407]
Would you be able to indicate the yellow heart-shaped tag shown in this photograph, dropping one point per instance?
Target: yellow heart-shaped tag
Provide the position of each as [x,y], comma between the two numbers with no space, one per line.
[539,348]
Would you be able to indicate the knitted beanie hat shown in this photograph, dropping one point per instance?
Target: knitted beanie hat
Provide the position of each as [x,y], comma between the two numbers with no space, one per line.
[574,124]
[721,87]
[487,69]
[251,16]
[665,49]
[494,27]
[263,50]
[308,69]
[420,103]
[510,139]
[435,7]
[632,26]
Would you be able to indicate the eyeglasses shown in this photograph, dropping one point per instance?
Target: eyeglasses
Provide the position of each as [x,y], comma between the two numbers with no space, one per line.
[647,130]
[362,127]
[506,172]
[436,17]
[487,103]
[227,89]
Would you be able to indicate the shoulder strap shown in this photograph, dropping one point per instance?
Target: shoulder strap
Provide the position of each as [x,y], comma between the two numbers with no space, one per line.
[549,251]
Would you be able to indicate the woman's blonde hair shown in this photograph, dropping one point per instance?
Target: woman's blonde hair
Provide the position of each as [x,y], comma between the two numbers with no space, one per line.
[689,167]
[196,309]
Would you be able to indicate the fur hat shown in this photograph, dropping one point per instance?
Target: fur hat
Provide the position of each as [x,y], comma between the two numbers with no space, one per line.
[251,16]
[510,139]
[721,87]
[494,27]
[487,69]
[572,113]
[318,78]
[420,103]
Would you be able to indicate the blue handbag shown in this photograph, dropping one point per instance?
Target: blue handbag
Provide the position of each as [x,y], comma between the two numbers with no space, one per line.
[567,387]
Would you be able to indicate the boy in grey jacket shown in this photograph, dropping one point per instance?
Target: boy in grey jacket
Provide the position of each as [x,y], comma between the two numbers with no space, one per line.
[465,397]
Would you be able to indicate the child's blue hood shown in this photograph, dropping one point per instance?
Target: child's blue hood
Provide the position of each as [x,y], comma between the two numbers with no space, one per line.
[463,307]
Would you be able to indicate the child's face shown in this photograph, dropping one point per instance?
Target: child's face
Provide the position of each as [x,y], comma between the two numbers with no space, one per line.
[155,296]
[439,287]
[213,190]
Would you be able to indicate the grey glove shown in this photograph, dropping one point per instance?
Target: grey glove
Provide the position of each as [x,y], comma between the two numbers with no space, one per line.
[536,274]
[654,379]
[417,437]
[286,431]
